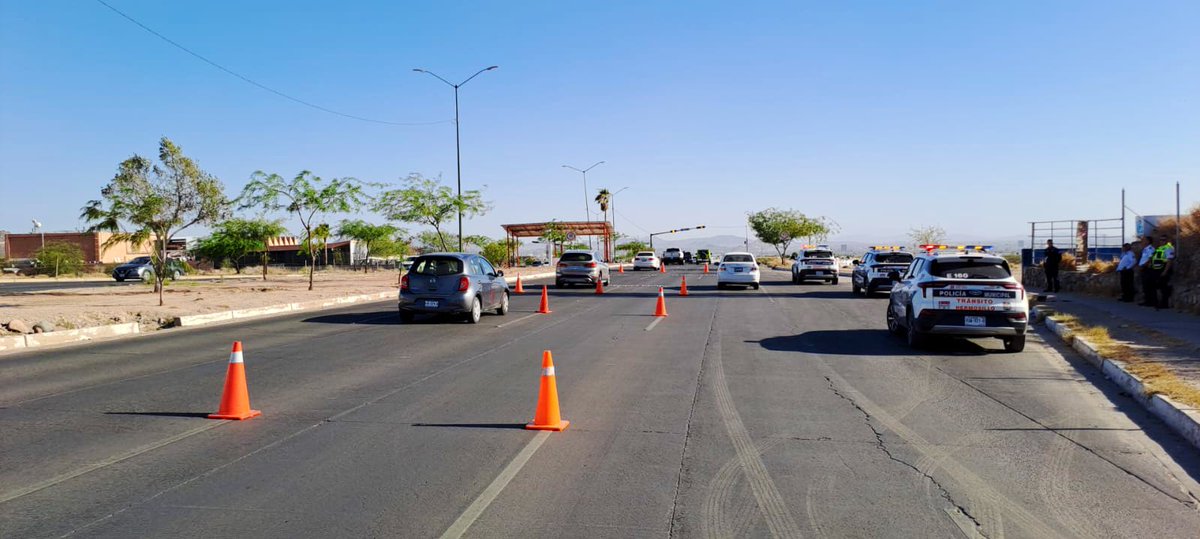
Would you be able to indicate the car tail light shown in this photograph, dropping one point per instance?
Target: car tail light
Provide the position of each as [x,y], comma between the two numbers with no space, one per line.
[562,264]
[590,265]
[1016,316]
[463,284]
[404,282]
[754,267]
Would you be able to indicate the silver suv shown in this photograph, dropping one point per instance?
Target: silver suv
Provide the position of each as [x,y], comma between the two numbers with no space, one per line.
[452,283]
[581,267]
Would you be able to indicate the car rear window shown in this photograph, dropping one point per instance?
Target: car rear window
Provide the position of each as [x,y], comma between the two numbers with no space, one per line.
[818,254]
[576,257]
[970,269]
[645,253]
[893,258]
[738,258]
[672,250]
[437,266]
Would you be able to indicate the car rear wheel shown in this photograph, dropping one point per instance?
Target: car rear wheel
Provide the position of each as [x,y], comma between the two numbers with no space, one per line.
[893,324]
[503,308]
[854,288]
[1014,344]
[119,279]
[475,313]
[868,291]
[755,285]
[834,281]
[406,317]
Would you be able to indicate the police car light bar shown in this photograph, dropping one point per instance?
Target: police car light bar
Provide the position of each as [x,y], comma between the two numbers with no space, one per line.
[888,247]
[932,248]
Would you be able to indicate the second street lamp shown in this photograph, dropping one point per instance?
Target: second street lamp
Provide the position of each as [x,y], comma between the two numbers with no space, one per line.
[587,216]
[457,140]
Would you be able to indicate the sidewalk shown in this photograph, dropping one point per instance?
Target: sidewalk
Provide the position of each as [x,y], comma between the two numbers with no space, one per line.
[1166,337]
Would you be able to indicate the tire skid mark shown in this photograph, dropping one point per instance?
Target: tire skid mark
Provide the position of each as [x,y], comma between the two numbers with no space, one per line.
[720,497]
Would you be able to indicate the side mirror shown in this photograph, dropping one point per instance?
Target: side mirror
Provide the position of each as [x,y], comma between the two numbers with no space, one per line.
[894,276]
[857,262]
[499,273]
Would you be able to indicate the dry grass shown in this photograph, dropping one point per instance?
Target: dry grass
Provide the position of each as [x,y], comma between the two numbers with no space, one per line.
[1156,377]
[1068,261]
[1101,266]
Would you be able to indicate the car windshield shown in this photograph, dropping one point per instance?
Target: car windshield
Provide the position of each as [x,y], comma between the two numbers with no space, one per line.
[893,258]
[818,254]
[970,269]
[437,266]
[738,258]
[140,260]
[576,257]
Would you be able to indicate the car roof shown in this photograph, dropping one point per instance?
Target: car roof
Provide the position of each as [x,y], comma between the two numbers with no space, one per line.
[737,253]
[463,256]
[588,251]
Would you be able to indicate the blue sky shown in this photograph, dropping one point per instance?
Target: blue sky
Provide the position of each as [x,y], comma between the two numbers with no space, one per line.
[879,115]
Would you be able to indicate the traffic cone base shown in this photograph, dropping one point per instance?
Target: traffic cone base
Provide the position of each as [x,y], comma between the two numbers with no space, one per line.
[544,307]
[235,399]
[547,415]
[519,289]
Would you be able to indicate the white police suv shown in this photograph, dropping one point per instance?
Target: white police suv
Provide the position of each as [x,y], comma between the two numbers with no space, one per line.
[960,291]
[815,263]
[870,274]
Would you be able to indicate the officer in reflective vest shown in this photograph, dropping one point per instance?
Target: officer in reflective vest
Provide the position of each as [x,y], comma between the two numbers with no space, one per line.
[1162,262]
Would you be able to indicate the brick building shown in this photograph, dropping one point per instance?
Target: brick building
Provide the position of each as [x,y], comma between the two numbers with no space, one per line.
[24,246]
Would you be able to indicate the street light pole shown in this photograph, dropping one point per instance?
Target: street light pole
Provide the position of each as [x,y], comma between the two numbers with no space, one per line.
[612,204]
[457,140]
[587,210]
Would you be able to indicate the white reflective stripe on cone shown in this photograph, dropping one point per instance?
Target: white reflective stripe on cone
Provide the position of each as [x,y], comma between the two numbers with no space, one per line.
[235,357]
[547,371]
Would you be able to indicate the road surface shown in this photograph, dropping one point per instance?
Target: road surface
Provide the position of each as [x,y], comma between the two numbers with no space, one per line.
[786,412]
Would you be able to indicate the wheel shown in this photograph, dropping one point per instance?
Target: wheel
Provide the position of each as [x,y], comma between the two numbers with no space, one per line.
[915,338]
[893,324]
[119,279]
[406,317]
[795,278]
[607,282]
[868,291]
[755,285]
[503,308]
[475,313]
[1014,344]
[834,282]
[176,275]
[558,284]
[720,286]
[854,288]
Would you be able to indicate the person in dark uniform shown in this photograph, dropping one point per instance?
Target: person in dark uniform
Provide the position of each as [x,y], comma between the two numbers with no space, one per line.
[1050,266]
[1149,276]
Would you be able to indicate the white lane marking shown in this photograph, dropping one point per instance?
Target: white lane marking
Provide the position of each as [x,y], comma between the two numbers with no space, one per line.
[511,322]
[654,323]
[14,494]
[489,494]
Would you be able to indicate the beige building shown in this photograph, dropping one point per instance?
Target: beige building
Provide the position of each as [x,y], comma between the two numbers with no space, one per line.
[22,246]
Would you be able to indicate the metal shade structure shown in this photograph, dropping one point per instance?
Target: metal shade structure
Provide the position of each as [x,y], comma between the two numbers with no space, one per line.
[603,229]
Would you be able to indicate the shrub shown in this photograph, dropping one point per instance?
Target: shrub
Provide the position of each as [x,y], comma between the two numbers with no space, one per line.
[58,258]
[1101,266]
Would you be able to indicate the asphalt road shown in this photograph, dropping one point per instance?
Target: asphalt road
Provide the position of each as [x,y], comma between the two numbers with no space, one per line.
[785,412]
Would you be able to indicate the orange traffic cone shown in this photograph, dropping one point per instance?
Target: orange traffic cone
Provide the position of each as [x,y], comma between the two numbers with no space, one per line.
[661,308]
[706,267]
[519,289]
[599,286]
[683,286]
[235,400]
[547,416]
[544,308]
[620,268]
[662,268]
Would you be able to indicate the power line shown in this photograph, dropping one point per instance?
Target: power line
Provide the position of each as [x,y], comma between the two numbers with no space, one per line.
[255,83]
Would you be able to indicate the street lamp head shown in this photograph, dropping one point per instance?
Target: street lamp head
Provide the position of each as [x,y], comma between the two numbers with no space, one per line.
[36,223]
[418,70]
[491,68]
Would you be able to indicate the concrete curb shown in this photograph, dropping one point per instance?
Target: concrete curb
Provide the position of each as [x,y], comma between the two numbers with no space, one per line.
[1184,421]
[34,340]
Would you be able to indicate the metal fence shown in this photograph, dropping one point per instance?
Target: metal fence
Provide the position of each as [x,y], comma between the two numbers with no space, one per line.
[1085,239]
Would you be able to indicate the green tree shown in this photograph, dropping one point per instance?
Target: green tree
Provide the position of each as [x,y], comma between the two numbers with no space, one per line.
[235,239]
[927,235]
[426,201]
[496,252]
[603,197]
[631,247]
[779,227]
[306,196]
[321,235]
[60,257]
[370,236]
[155,202]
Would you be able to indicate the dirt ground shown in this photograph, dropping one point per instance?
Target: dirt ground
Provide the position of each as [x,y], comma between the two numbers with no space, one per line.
[70,308]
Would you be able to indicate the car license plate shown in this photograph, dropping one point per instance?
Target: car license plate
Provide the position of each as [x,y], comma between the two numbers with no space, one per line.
[975,321]
[737,270]
[431,304]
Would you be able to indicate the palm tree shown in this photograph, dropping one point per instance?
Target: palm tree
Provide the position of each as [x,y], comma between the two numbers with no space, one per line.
[602,199]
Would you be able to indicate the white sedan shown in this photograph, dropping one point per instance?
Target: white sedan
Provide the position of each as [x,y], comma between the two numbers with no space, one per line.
[738,268]
[646,260]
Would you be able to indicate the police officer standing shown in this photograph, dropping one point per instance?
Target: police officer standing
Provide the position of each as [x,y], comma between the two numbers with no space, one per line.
[1149,294]
[1125,271]
[1163,261]
[1050,266]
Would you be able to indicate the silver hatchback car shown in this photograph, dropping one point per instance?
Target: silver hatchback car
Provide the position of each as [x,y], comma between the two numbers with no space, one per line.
[452,283]
[582,267]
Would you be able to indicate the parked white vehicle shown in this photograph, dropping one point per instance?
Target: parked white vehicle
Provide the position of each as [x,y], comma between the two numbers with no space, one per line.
[965,293]
[739,269]
[646,260]
[815,264]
